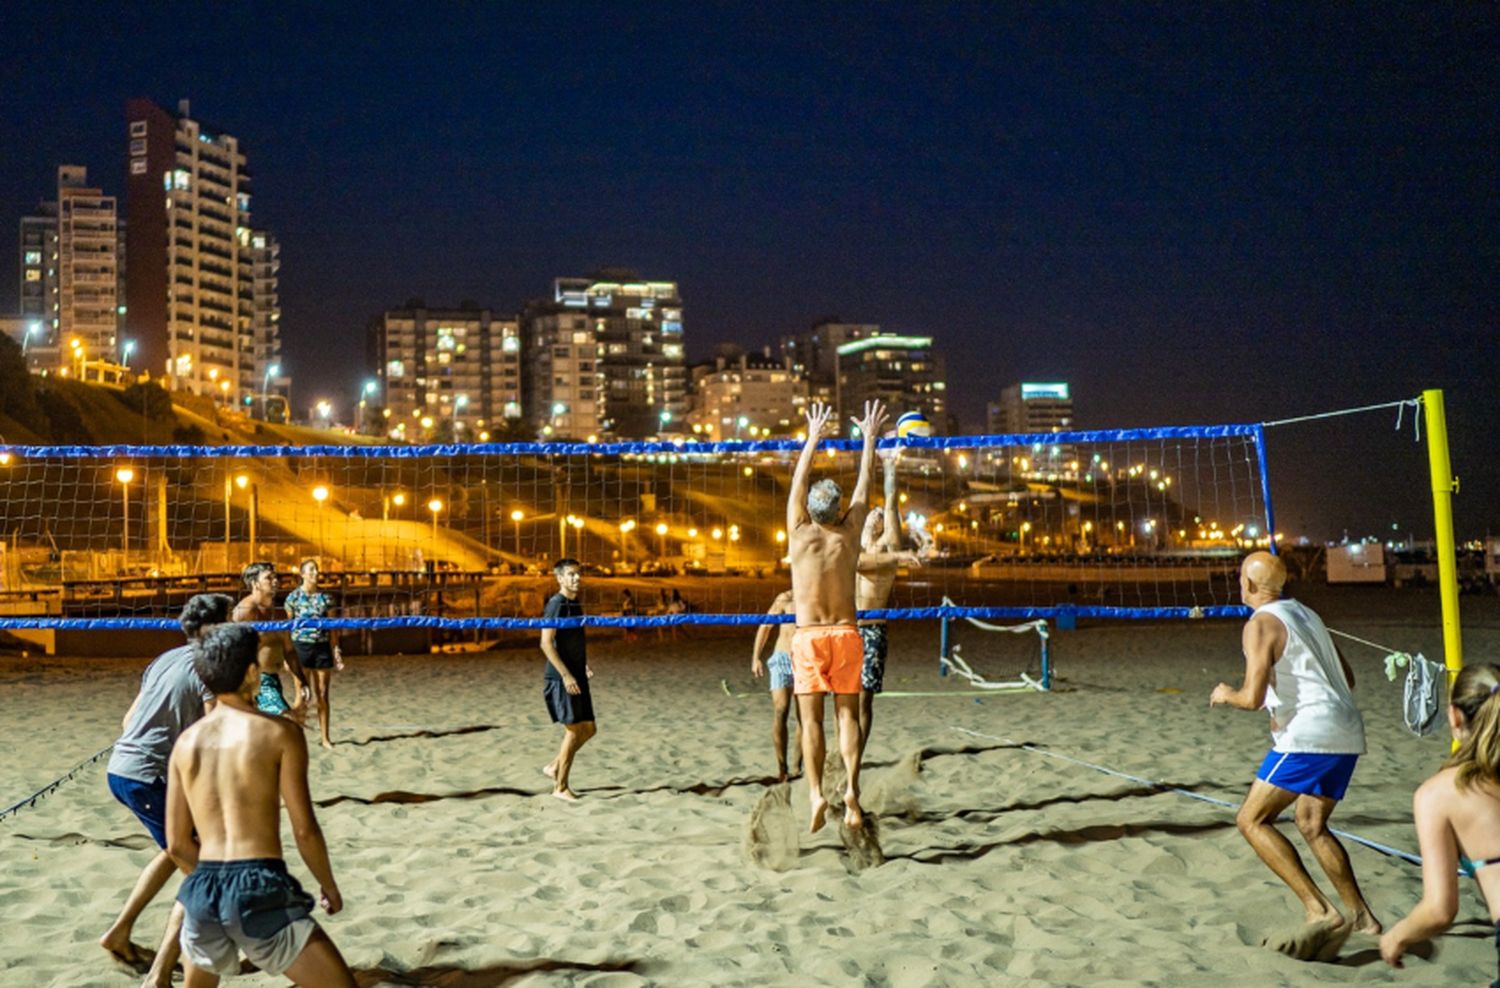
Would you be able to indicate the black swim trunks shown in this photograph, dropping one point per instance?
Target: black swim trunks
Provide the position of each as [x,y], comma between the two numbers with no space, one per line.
[565,707]
[872,674]
[254,906]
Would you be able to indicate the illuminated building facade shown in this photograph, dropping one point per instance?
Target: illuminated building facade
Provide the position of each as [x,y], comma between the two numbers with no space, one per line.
[191,293]
[70,290]
[904,372]
[746,396]
[605,358]
[444,374]
[813,355]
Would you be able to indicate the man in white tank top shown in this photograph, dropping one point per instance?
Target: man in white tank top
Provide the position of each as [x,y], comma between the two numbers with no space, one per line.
[1295,672]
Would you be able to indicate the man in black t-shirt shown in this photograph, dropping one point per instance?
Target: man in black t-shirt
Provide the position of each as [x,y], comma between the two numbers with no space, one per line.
[565,682]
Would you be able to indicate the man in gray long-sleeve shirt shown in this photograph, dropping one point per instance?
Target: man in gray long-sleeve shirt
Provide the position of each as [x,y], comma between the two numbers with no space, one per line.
[171,699]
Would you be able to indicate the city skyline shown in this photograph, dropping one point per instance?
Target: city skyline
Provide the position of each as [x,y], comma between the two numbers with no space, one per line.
[1277,214]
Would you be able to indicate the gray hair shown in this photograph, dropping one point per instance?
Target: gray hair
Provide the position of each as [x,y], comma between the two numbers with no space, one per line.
[823,502]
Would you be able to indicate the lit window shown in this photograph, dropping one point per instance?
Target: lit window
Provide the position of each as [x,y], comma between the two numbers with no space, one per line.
[582,337]
[510,344]
[33,274]
[395,369]
[137,128]
[33,257]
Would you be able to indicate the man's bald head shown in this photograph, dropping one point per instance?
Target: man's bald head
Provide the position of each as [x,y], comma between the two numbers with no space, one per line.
[1263,575]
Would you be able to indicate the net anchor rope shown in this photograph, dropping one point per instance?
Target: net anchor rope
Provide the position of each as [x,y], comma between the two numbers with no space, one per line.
[1177,790]
[1400,407]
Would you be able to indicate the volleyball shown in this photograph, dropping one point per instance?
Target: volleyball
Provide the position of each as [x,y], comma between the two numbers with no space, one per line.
[913,424]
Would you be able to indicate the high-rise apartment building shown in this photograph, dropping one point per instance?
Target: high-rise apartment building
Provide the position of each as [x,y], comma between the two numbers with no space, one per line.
[814,354]
[265,319]
[191,291]
[605,357]
[904,372]
[71,278]
[446,374]
[736,394]
[1032,407]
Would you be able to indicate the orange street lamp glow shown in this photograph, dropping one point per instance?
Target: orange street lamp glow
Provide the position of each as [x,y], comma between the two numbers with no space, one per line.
[124,475]
[320,493]
[517,515]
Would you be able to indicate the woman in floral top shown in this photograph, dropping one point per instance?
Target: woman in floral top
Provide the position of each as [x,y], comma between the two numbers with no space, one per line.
[316,647]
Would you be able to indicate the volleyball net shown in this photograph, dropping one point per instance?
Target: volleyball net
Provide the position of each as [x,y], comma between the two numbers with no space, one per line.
[1143,523]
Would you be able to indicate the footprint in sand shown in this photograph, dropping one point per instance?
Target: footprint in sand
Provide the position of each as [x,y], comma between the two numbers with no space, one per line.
[1320,941]
[771,838]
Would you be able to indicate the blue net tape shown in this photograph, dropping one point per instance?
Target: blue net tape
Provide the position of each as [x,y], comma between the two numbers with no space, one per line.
[383,451]
[640,621]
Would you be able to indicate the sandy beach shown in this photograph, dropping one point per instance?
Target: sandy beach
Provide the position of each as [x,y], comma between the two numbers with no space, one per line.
[1004,866]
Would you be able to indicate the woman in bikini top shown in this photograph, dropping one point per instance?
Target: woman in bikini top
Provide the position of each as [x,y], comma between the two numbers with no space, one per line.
[1457,815]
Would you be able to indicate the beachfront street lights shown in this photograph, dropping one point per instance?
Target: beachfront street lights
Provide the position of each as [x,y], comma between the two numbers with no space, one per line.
[125,475]
[265,391]
[1025,527]
[386,500]
[320,495]
[324,409]
[626,527]
[661,538]
[242,481]
[436,507]
[518,516]
[126,350]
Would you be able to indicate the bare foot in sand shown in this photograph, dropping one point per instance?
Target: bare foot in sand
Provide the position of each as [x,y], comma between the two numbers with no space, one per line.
[550,770]
[158,979]
[127,953]
[565,794]
[328,744]
[1319,940]
[1365,922]
[854,817]
[819,814]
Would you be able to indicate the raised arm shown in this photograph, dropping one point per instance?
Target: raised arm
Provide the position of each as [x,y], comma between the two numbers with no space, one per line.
[869,428]
[299,811]
[818,415]
[891,538]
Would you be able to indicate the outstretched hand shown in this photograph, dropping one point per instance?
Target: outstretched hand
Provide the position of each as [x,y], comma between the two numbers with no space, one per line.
[818,415]
[875,417]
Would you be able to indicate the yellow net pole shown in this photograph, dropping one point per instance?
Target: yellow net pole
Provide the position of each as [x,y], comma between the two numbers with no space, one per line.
[1444,486]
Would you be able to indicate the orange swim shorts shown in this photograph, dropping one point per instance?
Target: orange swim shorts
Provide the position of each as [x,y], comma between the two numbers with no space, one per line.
[827,659]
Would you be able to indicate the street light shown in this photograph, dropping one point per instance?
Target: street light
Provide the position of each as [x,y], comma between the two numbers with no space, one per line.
[518,516]
[626,527]
[125,475]
[125,351]
[265,391]
[320,494]
[435,506]
[661,533]
[242,481]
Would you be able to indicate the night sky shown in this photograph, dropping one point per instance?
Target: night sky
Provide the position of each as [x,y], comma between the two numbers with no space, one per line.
[1192,215]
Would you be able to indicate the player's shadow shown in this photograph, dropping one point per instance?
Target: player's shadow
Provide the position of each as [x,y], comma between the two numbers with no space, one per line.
[986,815]
[491,976]
[450,732]
[1097,833]
[405,797]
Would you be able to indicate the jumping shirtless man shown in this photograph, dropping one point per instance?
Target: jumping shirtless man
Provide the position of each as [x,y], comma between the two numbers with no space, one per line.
[274,654]
[879,559]
[827,651]
[228,777]
[781,677]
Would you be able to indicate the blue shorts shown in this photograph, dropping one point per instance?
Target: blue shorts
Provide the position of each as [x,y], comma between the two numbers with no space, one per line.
[1308,774]
[780,667]
[147,800]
